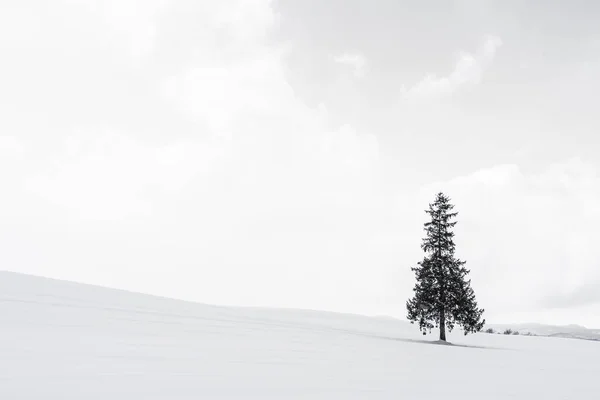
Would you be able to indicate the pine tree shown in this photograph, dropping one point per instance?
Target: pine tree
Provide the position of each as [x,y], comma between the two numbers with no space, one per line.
[443,296]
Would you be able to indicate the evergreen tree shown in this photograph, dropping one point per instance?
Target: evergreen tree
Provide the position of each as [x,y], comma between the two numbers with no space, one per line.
[443,296]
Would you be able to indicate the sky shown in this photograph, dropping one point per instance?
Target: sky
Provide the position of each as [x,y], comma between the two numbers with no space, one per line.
[282,153]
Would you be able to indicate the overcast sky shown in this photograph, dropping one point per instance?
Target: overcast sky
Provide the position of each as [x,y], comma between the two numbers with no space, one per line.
[282,153]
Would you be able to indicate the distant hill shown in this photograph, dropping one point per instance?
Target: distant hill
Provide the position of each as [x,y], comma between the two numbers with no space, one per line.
[565,331]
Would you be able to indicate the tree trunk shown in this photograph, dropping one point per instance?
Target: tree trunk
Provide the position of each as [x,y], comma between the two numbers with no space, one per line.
[443,325]
[442,287]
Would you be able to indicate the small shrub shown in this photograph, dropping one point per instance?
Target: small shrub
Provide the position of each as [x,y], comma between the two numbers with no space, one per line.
[515,333]
[489,330]
[508,331]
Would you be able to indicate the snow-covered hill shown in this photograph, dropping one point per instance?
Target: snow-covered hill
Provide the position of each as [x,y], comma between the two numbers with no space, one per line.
[565,331]
[61,340]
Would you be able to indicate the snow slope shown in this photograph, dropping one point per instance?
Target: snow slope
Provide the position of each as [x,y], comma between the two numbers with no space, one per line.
[61,340]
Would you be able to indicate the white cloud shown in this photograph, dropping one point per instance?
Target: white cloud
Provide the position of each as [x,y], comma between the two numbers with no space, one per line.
[249,92]
[528,237]
[111,176]
[219,94]
[354,60]
[135,20]
[10,146]
[468,70]
[257,185]
[198,172]
[132,22]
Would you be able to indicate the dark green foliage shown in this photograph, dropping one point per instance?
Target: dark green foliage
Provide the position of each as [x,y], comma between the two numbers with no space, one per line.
[443,296]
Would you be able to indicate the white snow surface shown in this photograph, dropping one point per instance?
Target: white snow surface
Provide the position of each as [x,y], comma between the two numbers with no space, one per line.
[62,340]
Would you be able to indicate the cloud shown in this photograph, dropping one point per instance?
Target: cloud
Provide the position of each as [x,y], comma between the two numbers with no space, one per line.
[129,22]
[587,294]
[468,70]
[10,146]
[353,60]
[220,94]
[534,233]
[104,175]
[135,20]
[171,141]
[253,184]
